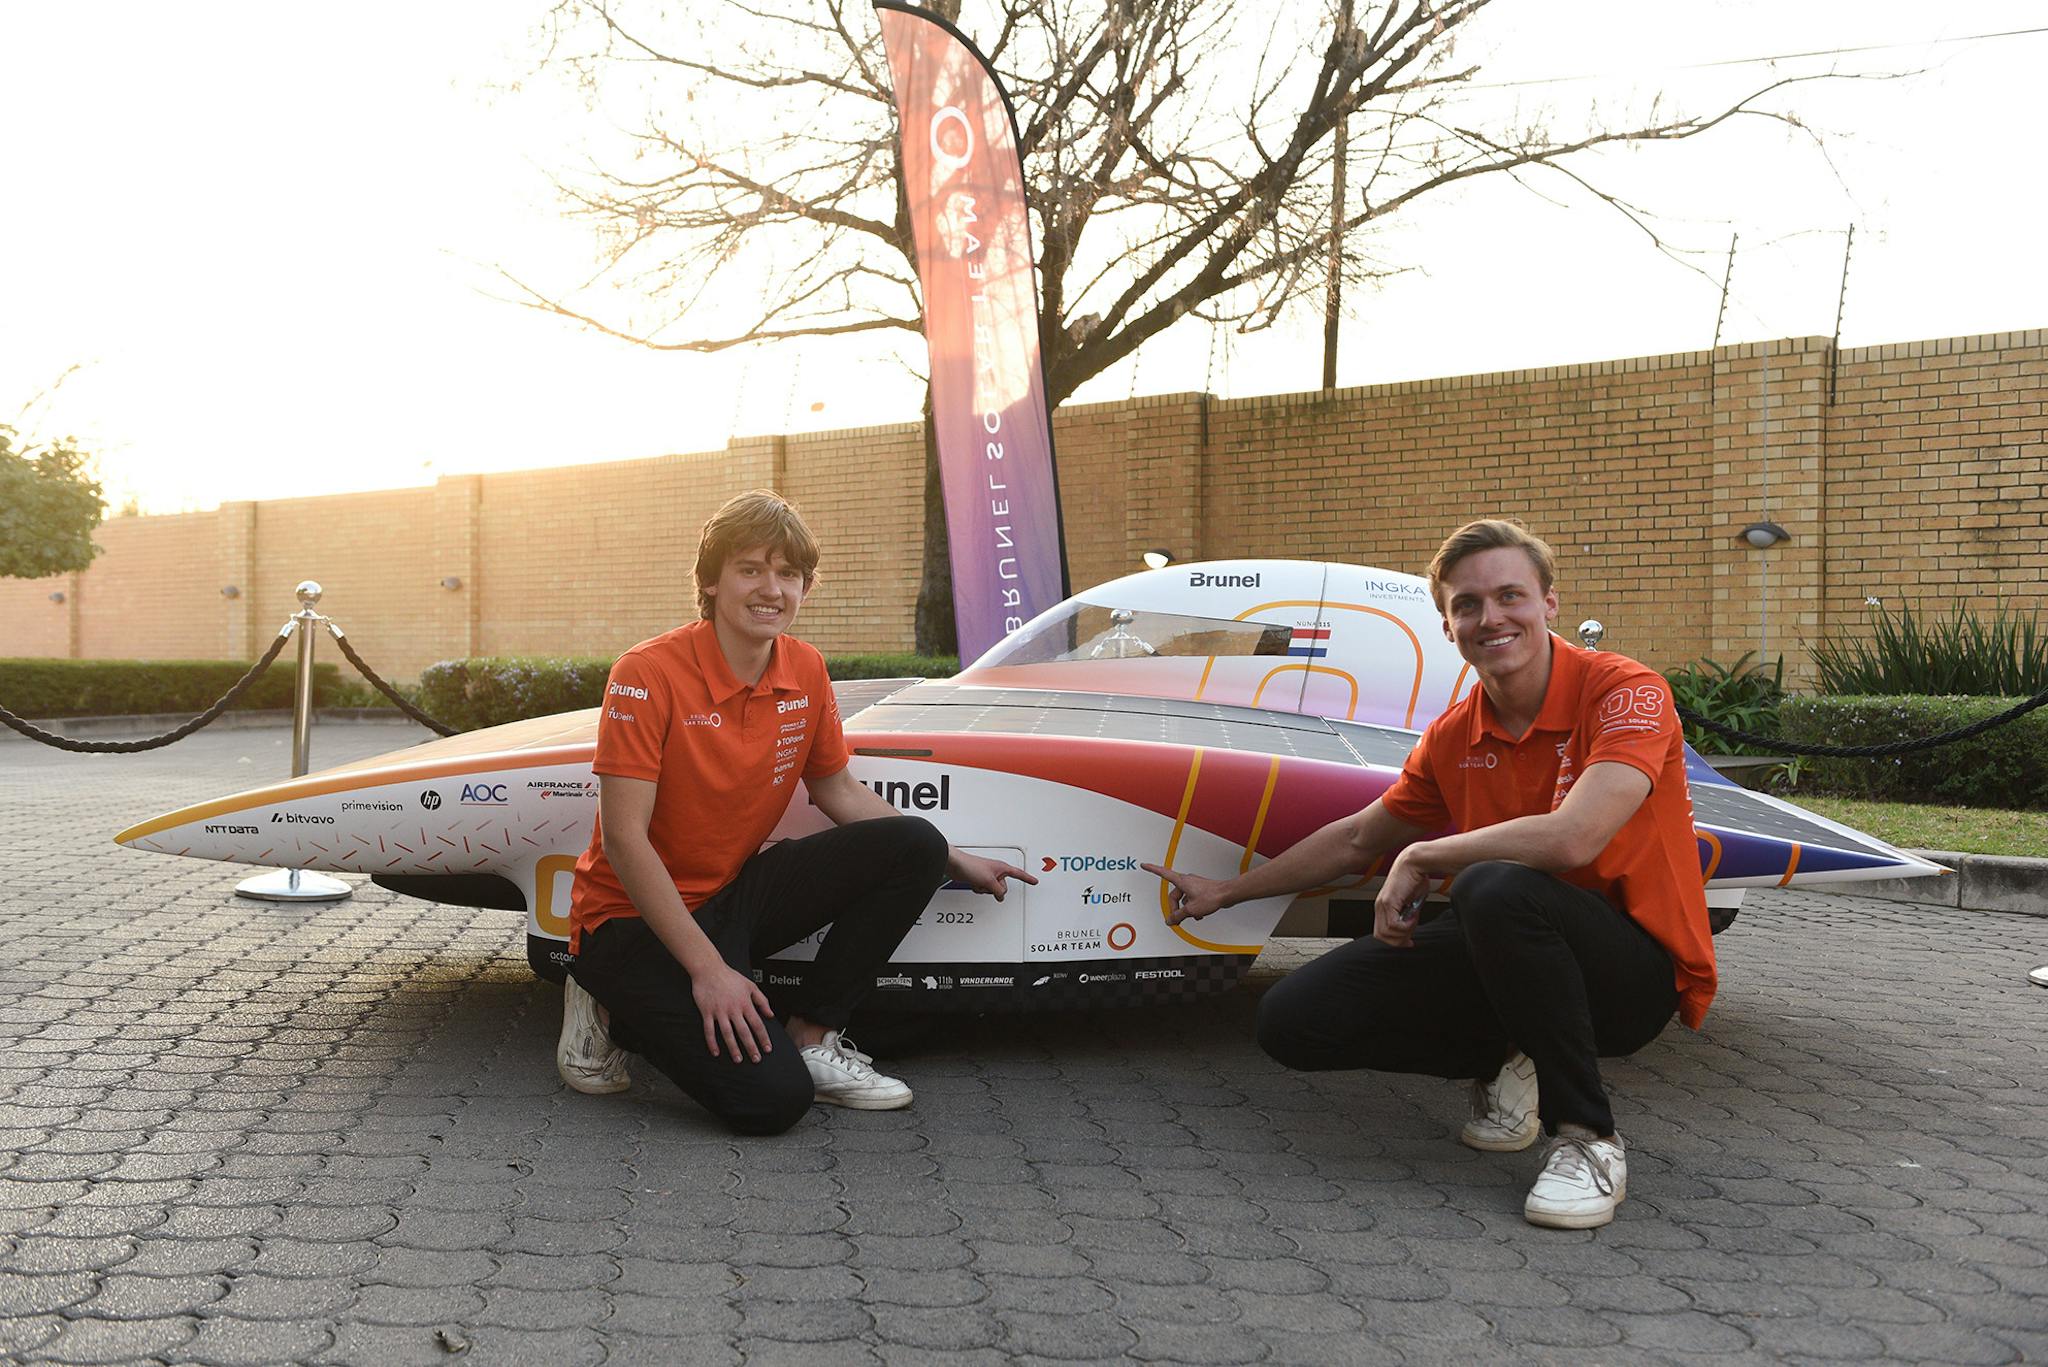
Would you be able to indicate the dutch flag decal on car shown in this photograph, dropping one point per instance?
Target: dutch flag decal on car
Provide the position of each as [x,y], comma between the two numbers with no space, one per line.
[1310,642]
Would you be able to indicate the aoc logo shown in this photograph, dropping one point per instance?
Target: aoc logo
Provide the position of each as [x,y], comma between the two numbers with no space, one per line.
[1201,579]
[483,794]
[431,800]
[626,691]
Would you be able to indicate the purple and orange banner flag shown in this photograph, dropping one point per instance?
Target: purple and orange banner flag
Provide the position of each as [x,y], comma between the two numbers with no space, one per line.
[964,185]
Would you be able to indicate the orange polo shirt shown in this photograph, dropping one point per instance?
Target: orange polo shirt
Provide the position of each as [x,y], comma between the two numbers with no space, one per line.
[725,758]
[1599,707]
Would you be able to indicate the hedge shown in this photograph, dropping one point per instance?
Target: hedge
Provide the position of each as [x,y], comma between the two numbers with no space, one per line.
[2006,766]
[490,690]
[43,689]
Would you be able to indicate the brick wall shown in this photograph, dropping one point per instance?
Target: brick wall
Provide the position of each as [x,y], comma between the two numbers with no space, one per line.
[1922,482]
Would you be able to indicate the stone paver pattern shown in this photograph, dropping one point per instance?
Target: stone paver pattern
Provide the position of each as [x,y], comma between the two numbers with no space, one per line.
[242,1133]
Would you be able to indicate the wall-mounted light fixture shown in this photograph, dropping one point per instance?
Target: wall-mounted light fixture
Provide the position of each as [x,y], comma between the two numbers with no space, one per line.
[1157,559]
[452,582]
[57,597]
[230,591]
[1763,535]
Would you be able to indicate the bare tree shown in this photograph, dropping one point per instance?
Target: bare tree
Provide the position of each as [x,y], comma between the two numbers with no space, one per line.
[1179,155]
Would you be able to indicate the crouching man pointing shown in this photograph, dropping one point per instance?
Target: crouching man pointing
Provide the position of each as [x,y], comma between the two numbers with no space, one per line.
[1577,919]
[704,734]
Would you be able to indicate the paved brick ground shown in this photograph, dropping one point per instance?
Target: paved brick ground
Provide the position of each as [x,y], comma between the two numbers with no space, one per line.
[232,1133]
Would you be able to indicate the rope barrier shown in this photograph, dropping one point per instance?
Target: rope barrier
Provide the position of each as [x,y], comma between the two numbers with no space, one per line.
[129,747]
[1897,747]
[341,639]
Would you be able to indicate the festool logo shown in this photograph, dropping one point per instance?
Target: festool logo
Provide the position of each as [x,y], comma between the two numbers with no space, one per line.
[1202,579]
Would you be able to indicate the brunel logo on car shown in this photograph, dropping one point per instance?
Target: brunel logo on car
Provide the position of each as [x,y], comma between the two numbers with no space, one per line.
[912,797]
[1201,579]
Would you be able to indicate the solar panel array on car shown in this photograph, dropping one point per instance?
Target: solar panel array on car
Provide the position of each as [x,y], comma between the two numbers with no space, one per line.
[1741,810]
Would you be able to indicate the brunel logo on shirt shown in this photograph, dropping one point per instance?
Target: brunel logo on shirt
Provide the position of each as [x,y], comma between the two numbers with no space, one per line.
[793,704]
[626,691]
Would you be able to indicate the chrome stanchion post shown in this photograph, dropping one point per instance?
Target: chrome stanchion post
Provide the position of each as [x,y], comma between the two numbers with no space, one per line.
[300,885]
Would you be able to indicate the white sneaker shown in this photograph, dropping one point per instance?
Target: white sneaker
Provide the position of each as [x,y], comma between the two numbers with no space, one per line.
[585,1055]
[1504,1110]
[1582,1181]
[842,1075]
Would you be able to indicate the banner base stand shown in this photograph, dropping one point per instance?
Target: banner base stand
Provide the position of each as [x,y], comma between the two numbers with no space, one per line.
[294,885]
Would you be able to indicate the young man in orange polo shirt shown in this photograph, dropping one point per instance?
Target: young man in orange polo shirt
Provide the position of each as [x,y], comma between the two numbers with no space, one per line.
[704,735]
[1577,919]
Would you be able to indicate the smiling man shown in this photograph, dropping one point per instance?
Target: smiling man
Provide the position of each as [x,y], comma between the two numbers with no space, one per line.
[1577,921]
[704,735]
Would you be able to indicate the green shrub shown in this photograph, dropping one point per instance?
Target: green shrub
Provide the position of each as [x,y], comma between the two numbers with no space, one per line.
[40,689]
[1742,695]
[1960,654]
[2006,766]
[492,690]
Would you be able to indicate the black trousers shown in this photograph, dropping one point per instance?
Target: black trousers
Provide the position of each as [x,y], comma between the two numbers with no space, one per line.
[1521,960]
[869,880]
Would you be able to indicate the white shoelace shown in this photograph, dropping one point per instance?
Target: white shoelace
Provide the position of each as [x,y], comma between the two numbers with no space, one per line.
[1569,1152]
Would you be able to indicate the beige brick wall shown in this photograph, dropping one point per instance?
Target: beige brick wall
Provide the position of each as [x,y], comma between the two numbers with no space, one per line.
[154,592]
[1921,482]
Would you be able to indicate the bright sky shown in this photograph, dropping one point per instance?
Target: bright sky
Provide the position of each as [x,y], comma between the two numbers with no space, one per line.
[265,237]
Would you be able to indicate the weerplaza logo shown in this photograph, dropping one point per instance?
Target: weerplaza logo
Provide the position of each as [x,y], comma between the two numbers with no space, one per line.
[300,819]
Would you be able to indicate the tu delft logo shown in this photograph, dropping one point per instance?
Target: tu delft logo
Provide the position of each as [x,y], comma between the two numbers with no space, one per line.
[430,799]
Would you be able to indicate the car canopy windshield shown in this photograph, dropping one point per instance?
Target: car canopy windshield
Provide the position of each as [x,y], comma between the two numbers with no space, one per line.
[1091,631]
